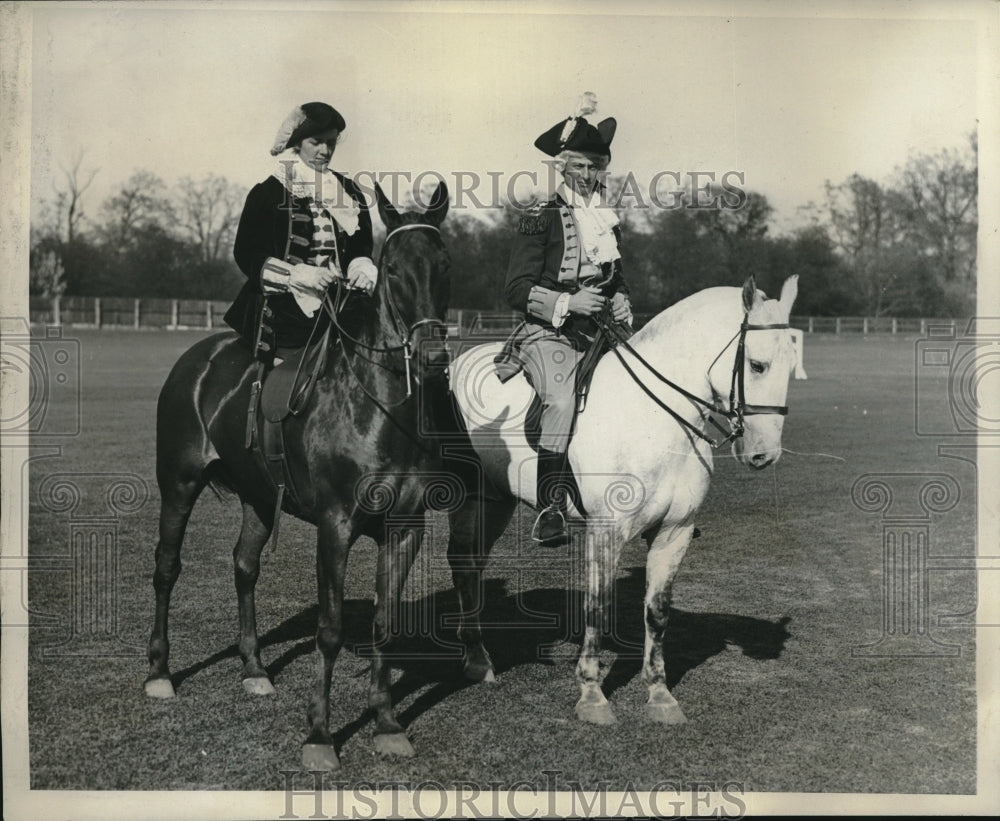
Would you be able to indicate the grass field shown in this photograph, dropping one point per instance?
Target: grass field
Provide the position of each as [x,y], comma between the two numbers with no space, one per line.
[773,648]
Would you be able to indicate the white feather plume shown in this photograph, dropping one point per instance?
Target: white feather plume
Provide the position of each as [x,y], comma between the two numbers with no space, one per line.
[587,104]
[292,121]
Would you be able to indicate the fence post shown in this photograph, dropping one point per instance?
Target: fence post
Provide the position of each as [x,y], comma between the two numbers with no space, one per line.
[97,311]
[810,324]
[208,314]
[837,326]
[56,314]
[174,314]
[135,314]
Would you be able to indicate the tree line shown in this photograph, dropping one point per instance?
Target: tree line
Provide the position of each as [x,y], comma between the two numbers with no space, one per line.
[902,247]
[145,240]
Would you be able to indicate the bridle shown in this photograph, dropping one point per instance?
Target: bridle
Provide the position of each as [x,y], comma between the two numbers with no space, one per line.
[333,307]
[738,406]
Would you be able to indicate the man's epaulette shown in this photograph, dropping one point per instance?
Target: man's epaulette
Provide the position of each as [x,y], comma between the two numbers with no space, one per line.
[534,221]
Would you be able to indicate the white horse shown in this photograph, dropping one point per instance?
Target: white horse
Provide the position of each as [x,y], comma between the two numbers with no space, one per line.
[641,455]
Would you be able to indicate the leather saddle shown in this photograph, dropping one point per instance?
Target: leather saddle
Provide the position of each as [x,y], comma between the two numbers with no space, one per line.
[277,394]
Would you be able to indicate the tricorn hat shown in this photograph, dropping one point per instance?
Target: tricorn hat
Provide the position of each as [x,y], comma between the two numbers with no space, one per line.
[576,134]
[307,120]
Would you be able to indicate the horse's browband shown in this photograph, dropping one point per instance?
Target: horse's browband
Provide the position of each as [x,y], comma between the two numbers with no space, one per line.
[411,227]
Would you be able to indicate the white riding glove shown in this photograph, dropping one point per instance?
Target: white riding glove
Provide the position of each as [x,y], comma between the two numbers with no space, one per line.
[362,275]
[308,284]
[621,308]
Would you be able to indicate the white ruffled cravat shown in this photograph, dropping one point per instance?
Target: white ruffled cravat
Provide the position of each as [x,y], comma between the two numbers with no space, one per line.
[323,187]
[596,221]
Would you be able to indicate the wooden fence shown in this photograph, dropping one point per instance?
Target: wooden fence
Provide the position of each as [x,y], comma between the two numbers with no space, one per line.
[123,312]
[187,314]
[475,322]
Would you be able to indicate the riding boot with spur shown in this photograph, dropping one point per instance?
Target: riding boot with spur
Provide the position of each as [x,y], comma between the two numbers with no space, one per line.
[550,528]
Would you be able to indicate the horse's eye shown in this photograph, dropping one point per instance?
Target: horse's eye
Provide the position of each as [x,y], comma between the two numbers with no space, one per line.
[757,367]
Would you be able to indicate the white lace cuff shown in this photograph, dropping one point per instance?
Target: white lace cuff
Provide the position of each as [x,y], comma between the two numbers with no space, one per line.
[274,276]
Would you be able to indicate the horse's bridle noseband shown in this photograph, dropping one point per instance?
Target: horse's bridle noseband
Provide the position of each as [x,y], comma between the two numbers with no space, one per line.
[738,406]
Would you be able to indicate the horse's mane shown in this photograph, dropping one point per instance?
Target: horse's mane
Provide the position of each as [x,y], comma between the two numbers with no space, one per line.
[686,307]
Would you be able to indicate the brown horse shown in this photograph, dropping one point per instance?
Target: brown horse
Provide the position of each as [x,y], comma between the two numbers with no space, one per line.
[358,460]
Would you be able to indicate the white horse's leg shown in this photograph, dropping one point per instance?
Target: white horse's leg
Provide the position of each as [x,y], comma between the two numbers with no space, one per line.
[666,551]
[603,550]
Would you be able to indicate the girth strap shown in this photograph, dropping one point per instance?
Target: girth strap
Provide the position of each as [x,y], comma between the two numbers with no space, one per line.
[252,409]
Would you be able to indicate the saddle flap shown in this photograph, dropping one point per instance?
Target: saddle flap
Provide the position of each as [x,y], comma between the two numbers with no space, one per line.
[287,386]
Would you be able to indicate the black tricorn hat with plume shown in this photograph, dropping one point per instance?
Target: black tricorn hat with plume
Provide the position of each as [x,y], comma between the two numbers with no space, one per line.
[306,120]
[576,134]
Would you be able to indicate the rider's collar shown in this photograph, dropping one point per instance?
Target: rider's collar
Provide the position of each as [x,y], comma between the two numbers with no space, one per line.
[322,187]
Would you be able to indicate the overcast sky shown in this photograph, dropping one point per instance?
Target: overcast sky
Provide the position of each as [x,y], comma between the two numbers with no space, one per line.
[788,101]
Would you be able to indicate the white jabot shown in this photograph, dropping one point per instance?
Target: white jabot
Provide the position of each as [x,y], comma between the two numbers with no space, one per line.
[596,221]
[323,187]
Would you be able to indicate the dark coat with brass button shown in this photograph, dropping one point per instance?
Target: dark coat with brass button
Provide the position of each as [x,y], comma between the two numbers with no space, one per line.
[547,253]
[276,224]
[546,260]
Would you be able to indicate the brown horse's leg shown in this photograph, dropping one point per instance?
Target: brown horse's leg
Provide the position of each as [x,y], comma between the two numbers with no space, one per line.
[333,546]
[666,551]
[183,455]
[395,558]
[246,561]
[475,527]
[177,500]
[603,548]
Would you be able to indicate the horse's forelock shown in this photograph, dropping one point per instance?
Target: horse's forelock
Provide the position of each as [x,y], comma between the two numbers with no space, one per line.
[417,261]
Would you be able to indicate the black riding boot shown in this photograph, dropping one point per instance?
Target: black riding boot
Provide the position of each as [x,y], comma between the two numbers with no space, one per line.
[550,527]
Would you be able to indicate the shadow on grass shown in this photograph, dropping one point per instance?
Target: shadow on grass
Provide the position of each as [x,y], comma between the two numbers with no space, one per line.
[534,627]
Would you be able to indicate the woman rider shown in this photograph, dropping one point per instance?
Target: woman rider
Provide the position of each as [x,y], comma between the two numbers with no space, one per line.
[300,228]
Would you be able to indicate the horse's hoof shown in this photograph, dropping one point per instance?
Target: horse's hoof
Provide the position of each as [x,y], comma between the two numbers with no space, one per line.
[665,713]
[258,686]
[159,688]
[595,713]
[396,744]
[320,757]
[480,673]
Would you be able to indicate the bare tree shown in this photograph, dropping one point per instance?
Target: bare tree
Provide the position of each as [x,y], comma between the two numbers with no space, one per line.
[69,200]
[208,212]
[941,192]
[868,226]
[141,203]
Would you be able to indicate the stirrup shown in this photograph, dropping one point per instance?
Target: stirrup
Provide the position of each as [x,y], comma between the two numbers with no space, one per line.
[553,532]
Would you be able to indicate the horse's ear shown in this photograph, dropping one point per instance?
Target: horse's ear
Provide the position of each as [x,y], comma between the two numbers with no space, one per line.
[789,291]
[438,208]
[749,293]
[386,210]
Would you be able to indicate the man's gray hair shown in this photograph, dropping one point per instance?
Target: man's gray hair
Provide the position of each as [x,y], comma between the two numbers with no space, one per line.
[600,160]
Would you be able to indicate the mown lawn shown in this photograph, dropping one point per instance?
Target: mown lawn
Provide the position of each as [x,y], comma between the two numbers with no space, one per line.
[772,645]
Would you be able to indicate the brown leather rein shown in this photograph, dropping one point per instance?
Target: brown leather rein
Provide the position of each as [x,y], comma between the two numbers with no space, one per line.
[738,406]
